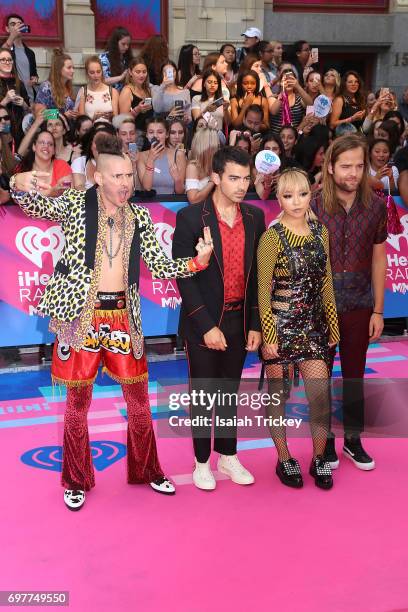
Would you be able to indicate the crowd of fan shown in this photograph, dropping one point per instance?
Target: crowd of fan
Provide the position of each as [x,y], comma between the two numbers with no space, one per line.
[171,118]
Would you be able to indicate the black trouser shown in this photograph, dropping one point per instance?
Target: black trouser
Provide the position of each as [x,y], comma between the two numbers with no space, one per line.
[353,347]
[212,371]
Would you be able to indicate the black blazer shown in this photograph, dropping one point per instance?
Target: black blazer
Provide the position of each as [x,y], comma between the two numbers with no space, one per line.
[202,295]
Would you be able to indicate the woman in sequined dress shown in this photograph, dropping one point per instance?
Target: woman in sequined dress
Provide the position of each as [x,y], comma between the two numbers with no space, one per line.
[298,318]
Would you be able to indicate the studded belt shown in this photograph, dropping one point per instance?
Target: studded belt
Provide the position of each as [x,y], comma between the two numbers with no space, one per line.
[110,301]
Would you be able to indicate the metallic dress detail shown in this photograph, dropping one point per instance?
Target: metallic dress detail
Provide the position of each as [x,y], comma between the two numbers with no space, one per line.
[296,299]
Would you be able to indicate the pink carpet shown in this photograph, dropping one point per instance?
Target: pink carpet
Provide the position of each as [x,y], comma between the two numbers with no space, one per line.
[263,547]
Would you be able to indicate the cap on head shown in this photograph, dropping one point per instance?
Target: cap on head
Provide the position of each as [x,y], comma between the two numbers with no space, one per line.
[252,33]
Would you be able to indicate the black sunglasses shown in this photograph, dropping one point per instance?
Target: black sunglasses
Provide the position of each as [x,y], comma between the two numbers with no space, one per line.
[5,118]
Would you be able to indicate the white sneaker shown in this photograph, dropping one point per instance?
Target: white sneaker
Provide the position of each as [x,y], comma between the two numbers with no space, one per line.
[74,499]
[203,477]
[232,467]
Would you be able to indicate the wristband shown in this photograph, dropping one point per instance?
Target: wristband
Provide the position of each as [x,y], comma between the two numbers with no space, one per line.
[195,266]
[149,168]
[379,313]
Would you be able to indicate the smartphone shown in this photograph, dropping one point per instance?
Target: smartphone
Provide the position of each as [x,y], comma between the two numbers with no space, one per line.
[26,29]
[147,101]
[314,52]
[309,110]
[6,128]
[179,104]
[385,91]
[132,147]
[170,74]
[218,102]
[257,136]
[154,141]
[51,113]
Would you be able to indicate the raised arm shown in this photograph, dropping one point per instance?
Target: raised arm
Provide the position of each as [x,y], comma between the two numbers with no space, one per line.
[22,190]
[157,261]
[28,138]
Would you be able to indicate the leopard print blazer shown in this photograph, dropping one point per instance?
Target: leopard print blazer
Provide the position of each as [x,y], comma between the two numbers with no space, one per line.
[70,292]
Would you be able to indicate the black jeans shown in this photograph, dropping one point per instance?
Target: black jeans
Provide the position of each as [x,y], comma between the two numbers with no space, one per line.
[212,372]
[353,347]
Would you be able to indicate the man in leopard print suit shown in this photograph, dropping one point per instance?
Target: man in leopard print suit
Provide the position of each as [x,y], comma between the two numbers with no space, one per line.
[93,300]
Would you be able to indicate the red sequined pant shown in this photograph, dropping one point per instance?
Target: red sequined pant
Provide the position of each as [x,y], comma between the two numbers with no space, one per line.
[78,370]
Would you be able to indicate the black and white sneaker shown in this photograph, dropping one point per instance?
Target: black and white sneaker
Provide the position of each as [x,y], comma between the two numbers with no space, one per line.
[353,449]
[321,472]
[330,454]
[74,499]
[163,485]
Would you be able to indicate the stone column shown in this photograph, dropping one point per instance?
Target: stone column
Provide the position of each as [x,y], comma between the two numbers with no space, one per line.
[79,34]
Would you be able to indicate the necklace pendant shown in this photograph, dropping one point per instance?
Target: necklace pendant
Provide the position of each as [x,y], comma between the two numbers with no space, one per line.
[111,222]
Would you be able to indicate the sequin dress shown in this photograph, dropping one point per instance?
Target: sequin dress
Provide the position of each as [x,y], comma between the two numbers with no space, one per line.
[295,293]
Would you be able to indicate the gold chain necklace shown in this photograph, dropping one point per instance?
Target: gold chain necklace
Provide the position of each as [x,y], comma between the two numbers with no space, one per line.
[115,223]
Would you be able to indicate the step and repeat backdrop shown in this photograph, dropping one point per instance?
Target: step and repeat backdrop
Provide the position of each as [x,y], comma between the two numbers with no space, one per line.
[29,250]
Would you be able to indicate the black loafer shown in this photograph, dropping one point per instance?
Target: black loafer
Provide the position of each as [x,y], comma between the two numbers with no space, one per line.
[289,473]
[320,470]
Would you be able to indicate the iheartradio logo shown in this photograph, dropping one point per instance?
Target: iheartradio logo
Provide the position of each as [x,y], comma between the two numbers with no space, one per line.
[164,234]
[33,242]
[395,240]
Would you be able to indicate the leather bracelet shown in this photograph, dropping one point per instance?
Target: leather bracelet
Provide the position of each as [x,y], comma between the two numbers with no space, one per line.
[379,313]
[149,168]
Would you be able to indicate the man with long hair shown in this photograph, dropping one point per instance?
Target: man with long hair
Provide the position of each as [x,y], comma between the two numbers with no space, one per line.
[357,222]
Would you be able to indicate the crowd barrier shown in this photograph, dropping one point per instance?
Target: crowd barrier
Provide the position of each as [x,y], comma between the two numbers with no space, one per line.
[30,248]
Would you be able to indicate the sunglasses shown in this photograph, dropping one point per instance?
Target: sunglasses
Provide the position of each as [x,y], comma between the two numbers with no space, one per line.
[5,118]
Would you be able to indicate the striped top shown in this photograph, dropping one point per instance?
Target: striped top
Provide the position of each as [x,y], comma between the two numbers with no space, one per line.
[272,264]
[297,111]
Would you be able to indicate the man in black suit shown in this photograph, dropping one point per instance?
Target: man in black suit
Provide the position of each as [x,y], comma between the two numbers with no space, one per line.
[219,314]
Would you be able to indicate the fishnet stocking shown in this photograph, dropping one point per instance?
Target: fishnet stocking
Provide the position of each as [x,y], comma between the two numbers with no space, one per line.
[317,386]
